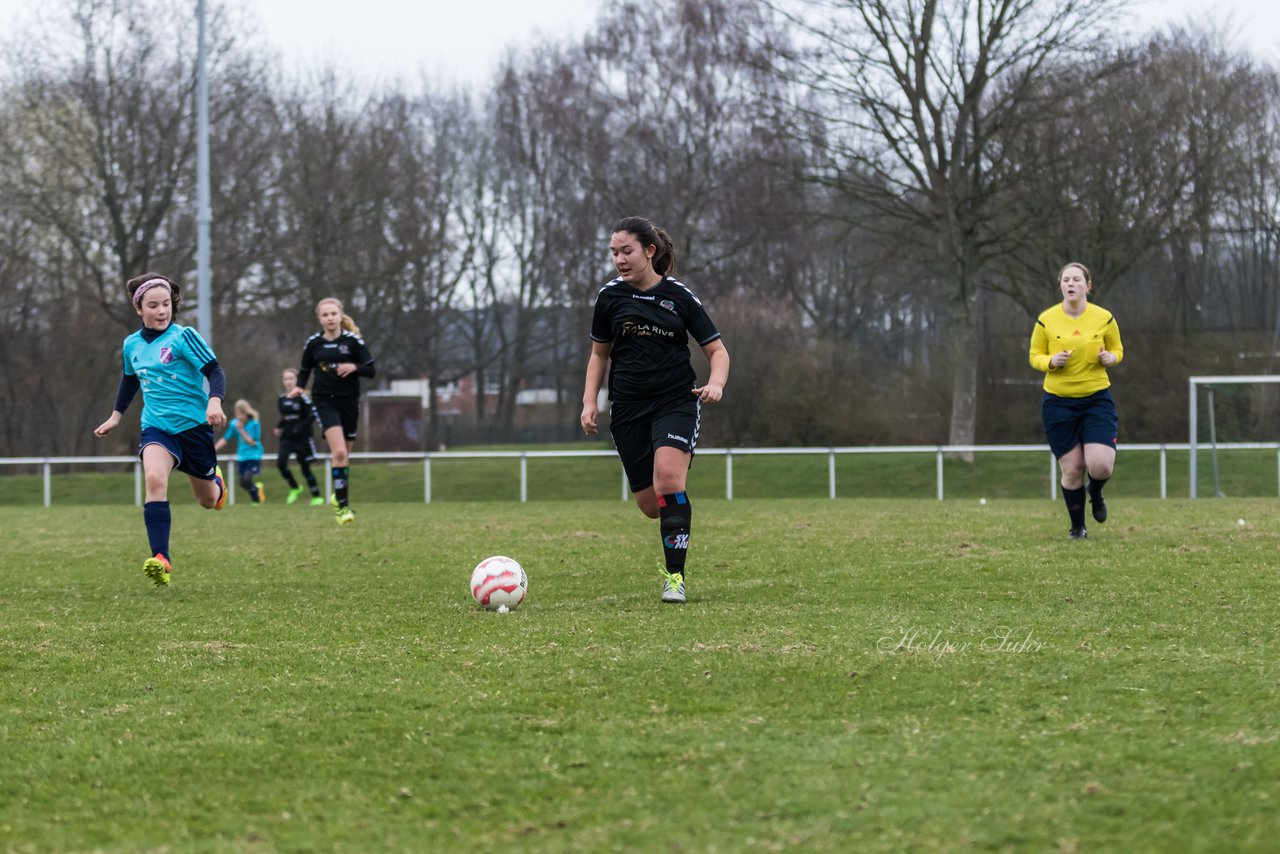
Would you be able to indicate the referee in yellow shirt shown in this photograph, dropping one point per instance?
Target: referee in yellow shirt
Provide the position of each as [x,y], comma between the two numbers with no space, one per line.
[1073,344]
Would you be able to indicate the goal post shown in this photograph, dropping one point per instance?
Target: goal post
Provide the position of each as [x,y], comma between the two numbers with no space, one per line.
[1193,437]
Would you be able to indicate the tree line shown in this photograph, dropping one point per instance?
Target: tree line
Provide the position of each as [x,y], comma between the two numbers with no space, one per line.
[872,197]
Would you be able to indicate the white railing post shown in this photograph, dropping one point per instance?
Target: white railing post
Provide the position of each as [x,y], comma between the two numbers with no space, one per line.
[426,479]
[1053,477]
[728,474]
[524,478]
[137,483]
[1194,436]
[328,478]
[939,466]
[831,473]
[48,493]
[1164,472]
[625,484]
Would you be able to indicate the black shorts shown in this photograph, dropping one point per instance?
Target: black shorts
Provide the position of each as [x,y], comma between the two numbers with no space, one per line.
[338,411]
[192,449]
[304,448]
[641,427]
[1071,421]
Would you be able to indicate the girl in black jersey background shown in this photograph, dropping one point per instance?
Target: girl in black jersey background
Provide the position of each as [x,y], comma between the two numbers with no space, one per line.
[338,356]
[640,333]
[297,414]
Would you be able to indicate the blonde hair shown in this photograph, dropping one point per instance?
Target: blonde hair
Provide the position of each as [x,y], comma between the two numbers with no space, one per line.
[242,405]
[347,323]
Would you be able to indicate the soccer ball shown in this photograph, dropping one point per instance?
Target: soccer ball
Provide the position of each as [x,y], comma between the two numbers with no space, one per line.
[499,581]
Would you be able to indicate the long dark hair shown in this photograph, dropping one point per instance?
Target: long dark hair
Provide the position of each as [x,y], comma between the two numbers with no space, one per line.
[664,256]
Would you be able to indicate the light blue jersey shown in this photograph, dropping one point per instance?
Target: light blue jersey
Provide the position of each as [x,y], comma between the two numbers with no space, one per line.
[175,395]
[245,451]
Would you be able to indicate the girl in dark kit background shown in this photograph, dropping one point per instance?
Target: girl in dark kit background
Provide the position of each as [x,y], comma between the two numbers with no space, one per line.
[338,356]
[297,414]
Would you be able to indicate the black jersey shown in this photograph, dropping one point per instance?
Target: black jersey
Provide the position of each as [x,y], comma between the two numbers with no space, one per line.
[296,416]
[323,356]
[650,331]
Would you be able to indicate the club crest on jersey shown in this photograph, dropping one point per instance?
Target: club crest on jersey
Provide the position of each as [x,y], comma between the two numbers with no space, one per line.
[668,305]
[166,355]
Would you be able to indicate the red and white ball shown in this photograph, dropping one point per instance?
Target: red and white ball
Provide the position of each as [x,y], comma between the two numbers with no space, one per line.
[499,582]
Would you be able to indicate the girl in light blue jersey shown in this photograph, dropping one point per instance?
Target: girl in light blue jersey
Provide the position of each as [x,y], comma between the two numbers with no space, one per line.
[182,390]
[246,431]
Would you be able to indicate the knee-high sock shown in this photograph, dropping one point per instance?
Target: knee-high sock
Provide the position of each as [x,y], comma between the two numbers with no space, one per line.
[674,516]
[340,475]
[1095,487]
[283,465]
[1074,499]
[158,520]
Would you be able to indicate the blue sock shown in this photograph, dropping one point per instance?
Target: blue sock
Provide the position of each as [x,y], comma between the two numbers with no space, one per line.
[156,515]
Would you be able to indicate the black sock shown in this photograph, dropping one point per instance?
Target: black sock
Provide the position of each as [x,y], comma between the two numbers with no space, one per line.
[1075,505]
[1095,488]
[674,515]
[158,520]
[340,474]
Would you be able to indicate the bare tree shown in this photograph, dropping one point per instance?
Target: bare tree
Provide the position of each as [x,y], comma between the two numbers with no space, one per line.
[914,93]
[97,165]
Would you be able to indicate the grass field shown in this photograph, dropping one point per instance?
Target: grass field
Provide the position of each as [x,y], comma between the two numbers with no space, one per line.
[850,675]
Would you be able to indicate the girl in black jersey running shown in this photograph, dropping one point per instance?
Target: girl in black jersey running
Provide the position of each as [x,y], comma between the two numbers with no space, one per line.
[339,358]
[294,430]
[640,334]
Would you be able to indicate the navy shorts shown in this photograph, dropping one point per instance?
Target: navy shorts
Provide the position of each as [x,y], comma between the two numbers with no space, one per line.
[192,449]
[304,449]
[1071,421]
[248,469]
[336,411]
[641,427]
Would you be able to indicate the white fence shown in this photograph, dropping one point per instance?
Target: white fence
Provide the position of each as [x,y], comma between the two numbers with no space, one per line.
[940,452]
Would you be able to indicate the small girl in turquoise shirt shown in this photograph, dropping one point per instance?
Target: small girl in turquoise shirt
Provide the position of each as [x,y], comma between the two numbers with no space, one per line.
[246,431]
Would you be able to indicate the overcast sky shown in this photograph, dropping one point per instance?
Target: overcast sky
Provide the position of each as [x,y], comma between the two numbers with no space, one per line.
[462,40]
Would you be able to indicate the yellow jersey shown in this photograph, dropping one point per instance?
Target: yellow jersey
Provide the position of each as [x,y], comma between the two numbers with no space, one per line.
[1084,336]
